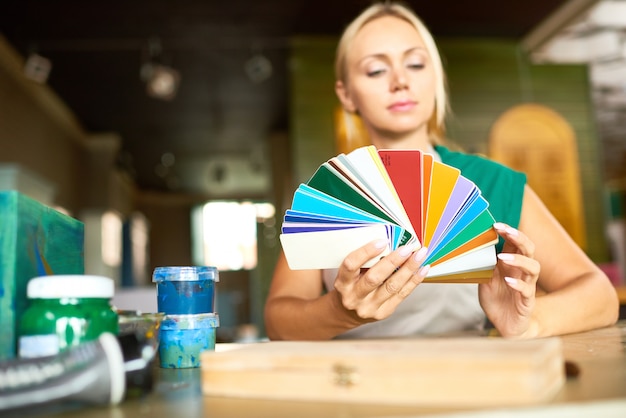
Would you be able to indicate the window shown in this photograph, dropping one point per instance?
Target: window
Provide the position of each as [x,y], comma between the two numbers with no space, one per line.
[224,233]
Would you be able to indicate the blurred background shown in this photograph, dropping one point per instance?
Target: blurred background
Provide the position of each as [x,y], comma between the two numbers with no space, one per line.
[177,131]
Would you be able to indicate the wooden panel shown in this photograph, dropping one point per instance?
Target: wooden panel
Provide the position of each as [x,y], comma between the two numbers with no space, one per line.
[536,140]
[430,371]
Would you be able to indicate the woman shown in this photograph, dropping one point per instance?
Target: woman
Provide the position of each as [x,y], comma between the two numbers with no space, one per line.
[389,71]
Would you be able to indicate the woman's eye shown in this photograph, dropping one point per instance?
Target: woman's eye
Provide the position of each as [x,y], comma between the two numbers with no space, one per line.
[376,72]
[416,66]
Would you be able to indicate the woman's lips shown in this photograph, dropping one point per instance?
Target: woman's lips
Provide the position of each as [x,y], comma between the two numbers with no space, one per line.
[402,106]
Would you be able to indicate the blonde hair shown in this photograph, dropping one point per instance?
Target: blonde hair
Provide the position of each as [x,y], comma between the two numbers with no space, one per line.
[436,124]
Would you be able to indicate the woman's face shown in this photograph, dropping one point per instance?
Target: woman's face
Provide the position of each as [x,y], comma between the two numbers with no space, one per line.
[390,79]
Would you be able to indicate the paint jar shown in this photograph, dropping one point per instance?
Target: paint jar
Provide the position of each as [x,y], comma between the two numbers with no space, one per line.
[65,311]
[184,337]
[185,290]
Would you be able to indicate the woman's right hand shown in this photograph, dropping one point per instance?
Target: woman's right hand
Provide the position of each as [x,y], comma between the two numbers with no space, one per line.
[374,293]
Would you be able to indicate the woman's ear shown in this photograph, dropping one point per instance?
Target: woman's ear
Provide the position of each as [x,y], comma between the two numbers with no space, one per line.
[344,97]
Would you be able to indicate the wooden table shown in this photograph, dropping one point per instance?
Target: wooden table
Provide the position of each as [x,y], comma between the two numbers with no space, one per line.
[598,390]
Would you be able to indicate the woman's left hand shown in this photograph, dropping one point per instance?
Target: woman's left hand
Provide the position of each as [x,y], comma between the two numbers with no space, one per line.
[508,299]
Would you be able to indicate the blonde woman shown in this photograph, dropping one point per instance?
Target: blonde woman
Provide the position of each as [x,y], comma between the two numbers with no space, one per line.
[388,70]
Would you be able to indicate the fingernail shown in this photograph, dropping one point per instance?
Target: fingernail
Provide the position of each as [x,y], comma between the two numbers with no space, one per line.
[506,256]
[510,280]
[405,250]
[424,270]
[511,231]
[420,254]
[381,243]
[507,229]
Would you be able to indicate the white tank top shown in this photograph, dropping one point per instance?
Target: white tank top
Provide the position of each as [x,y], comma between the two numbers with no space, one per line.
[432,308]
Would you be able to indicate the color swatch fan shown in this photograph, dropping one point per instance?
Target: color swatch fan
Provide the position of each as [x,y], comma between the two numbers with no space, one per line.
[402,196]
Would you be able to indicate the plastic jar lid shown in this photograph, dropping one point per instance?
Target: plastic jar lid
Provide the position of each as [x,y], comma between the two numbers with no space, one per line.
[185,273]
[70,286]
[195,321]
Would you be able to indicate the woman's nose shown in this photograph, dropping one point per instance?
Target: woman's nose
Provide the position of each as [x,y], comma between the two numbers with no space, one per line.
[399,80]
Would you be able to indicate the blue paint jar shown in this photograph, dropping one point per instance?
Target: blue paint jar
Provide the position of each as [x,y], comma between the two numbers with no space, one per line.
[183,338]
[185,290]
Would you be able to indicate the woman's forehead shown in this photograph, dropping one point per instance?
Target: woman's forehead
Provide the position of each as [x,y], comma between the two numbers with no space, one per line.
[385,35]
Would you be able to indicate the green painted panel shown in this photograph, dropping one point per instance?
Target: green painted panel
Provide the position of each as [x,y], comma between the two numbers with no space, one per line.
[35,240]
[312,102]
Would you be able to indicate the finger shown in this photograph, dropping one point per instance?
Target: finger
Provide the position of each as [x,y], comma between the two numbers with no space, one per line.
[515,237]
[413,264]
[525,289]
[357,258]
[407,277]
[397,259]
[388,303]
[381,271]
[416,279]
[527,265]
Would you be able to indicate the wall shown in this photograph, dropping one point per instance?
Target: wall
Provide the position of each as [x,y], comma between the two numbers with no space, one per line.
[40,134]
[311,105]
[486,77]
[38,131]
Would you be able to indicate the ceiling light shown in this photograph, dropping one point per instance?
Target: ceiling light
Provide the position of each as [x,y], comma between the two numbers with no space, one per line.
[162,81]
[37,68]
[168,159]
[258,68]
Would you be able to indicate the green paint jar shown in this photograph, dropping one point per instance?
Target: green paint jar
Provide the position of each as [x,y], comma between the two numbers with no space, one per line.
[65,311]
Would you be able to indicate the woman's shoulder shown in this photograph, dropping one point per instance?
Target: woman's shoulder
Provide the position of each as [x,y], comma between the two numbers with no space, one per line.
[480,169]
[467,161]
[500,185]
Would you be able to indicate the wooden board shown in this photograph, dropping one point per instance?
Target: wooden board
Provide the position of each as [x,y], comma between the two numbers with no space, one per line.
[430,371]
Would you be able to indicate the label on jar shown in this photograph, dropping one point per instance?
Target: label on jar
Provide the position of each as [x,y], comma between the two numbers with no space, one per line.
[31,346]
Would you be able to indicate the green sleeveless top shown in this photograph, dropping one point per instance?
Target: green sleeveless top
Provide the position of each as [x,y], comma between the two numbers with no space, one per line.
[501,186]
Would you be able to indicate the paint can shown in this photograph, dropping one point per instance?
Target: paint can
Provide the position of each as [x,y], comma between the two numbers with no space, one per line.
[185,290]
[184,337]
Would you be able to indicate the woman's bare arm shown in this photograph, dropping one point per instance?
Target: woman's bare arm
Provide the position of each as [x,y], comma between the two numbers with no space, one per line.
[578,295]
[297,307]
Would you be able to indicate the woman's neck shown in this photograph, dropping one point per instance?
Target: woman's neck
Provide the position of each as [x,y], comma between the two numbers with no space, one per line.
[415,141]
